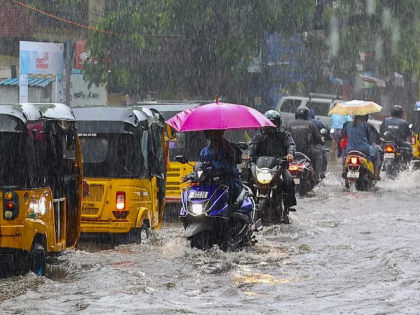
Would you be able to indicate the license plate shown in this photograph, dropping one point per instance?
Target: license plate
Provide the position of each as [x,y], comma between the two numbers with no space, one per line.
[296,180]
[389,155]
[198,194]
[352,174]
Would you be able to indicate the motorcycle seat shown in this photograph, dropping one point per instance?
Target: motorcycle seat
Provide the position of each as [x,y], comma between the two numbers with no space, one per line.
[358,153]
[300,155]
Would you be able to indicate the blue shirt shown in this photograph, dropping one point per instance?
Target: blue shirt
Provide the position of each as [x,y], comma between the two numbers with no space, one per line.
[337,121]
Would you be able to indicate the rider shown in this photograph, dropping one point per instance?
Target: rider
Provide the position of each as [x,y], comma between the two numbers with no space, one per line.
[359,135]
[320,125]
[398,128]
[223,155]
[307,138]
[276,143]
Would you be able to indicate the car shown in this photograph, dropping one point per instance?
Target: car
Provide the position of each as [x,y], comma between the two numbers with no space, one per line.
[320,103]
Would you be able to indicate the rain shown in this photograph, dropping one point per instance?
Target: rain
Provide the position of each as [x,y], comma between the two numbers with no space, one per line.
[96,83]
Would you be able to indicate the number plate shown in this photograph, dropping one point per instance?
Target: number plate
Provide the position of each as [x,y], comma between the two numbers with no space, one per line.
[389,155]
[352,174]
[198,194]
[296,180]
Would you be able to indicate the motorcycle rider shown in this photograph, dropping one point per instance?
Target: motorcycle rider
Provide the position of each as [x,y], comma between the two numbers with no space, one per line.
[359,135]
[320,125]
[307,138]
[225,155]
[399,130]
[276,143]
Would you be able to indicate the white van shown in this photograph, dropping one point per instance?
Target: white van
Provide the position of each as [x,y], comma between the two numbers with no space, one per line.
[320,103]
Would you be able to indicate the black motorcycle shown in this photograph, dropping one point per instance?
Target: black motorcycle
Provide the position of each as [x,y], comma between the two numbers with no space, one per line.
[303,173]
[263,176]
[397,158]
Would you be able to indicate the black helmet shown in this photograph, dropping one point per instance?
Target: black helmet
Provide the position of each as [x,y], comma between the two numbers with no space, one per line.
[274,117]
[397,111]
[302,112]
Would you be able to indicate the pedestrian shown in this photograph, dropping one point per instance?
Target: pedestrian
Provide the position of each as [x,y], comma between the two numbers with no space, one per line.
[337,122]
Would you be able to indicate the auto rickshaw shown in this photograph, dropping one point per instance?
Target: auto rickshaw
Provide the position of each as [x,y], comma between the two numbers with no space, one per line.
[415,121]
[124,163]
[41,185]
[188,144]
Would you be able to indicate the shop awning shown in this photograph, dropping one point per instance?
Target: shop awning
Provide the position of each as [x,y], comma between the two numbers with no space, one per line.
[32,82]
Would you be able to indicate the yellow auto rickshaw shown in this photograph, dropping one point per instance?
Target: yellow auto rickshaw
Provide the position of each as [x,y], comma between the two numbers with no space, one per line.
[188,144]
[41,185]
[124,163]
[415,128]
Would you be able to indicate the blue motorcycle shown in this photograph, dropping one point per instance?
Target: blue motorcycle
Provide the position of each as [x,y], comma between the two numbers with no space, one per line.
[210,217]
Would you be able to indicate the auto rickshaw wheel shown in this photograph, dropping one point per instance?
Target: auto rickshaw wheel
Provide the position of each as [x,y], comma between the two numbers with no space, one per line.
[37,259]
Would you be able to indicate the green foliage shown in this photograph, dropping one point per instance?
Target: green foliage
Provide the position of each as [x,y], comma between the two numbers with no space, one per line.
[192,47]
[388,30]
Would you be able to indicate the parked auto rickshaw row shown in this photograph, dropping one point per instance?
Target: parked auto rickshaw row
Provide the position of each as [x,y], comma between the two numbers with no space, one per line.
[43,178]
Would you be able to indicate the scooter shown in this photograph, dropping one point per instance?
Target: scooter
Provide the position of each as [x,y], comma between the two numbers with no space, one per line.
[358,171]
[209,216]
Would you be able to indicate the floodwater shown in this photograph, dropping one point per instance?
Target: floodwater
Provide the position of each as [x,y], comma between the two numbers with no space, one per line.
[343,253]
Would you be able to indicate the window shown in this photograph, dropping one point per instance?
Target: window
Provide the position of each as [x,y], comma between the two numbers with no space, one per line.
[320,108]
[290,106]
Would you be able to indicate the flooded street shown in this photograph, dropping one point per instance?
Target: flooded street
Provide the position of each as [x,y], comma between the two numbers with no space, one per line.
[343,253]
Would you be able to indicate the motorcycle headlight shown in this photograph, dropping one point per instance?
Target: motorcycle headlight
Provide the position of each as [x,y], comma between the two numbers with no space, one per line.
[197,208]
[264,178]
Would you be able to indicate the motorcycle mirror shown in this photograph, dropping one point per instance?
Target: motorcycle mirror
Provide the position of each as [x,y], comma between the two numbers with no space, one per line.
[243,146]
[323,131]
[181,159]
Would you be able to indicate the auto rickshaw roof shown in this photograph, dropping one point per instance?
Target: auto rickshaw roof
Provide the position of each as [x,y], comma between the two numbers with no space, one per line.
[36,111]
[107,113]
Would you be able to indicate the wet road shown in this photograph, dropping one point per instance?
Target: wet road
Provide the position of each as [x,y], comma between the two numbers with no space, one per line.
[343,253]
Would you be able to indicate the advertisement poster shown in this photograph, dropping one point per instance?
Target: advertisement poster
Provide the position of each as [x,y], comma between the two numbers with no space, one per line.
[37,59]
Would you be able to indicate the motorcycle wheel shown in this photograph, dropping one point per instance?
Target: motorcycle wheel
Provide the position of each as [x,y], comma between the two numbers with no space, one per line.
[202,240]
[262,211]
[391,170]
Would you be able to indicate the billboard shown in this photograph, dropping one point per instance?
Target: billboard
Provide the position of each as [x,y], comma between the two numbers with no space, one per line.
[40,59]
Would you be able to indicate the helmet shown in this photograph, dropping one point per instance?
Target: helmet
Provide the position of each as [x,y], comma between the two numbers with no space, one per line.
[397,111]
[302,112]
[274,117]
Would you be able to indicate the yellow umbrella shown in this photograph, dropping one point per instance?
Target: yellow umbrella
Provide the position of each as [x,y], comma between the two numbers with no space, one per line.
[355,107]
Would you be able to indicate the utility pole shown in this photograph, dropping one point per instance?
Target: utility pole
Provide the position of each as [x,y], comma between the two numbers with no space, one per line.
[68,71]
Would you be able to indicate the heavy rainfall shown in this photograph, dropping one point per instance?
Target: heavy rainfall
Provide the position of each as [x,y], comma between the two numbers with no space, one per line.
[209,157]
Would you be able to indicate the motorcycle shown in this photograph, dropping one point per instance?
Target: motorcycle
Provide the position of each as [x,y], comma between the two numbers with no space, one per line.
[358,171]
[303,173]
[209,217]
[263,176]
[397,158]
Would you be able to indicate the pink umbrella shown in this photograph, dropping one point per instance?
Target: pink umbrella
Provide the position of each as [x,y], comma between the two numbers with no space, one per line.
[219,116]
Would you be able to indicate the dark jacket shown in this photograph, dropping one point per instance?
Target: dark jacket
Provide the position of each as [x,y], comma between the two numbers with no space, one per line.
[397,127]
[304,133]
[276,144]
